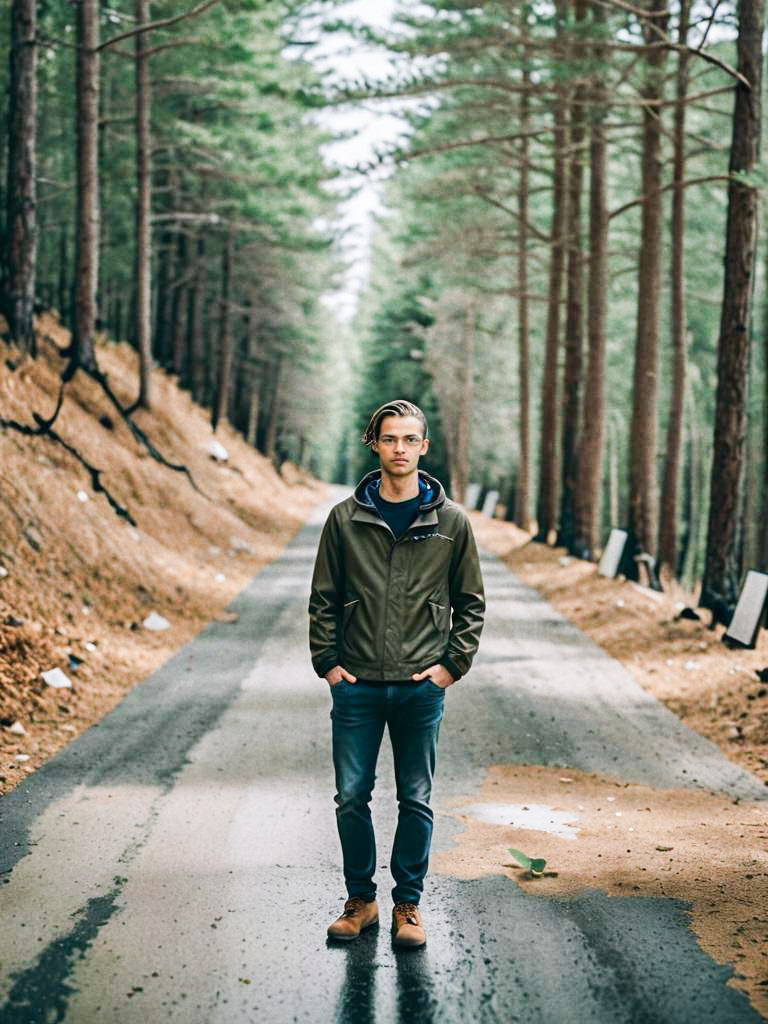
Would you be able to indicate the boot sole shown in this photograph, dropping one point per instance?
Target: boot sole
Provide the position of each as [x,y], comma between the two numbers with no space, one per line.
[351,938]
[408,943]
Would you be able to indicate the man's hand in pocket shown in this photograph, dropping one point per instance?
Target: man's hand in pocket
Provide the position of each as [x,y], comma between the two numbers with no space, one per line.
[439,675]
[337,673]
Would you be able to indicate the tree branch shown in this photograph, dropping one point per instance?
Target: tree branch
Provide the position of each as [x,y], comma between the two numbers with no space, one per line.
[667,188]
[542,237]
[151,26]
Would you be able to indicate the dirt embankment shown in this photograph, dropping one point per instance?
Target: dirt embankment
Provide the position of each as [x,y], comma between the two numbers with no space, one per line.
[713,689]
[77,582]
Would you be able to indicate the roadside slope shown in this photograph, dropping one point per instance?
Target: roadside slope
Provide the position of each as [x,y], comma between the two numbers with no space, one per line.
[713,690]
[76,580]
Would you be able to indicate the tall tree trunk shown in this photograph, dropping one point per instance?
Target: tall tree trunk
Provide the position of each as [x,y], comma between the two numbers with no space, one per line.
[82,352]
[644,429]
[522,491]
[693,496]
[547,497]
[460,474]
[270,436]
[221,400]
[764,479]
[699,493]
[613,472]
[109,283]
[574,304]
[753,514]
[117,317]
[252,425]
[251,373]
[196,354]
[183,306]
[21,200]
[590,456]
[670,483]
[447,415]
[304,452]
[143,271]
[64,284]
[171,268]
[722,572]
[163,333]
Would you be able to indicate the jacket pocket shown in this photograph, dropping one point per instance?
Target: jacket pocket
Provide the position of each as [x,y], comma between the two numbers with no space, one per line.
[439,613]
[348,611]
[349,626]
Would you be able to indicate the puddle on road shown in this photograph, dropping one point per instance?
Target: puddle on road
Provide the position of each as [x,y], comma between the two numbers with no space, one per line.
[537,817]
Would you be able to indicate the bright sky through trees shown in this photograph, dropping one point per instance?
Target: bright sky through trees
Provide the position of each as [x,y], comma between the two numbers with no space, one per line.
[363,129]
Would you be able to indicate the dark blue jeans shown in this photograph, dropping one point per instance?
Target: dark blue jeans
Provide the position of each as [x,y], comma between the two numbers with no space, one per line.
[412,713]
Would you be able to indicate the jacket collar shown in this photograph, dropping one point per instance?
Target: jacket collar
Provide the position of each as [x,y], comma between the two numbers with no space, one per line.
[431,492]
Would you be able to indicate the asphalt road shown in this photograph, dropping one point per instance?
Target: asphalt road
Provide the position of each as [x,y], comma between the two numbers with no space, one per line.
[180,862]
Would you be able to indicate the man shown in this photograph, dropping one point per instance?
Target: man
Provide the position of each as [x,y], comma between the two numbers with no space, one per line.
[395,613]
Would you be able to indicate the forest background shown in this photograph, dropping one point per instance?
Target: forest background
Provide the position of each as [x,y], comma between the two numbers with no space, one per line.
[567,273]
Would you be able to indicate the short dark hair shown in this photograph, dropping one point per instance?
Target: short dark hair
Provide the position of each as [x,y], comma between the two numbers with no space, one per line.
[400,407]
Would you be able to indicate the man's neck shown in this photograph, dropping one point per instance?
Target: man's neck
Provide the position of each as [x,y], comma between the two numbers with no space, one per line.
[399,488]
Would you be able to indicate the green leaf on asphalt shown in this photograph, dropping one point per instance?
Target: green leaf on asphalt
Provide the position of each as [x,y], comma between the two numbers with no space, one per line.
[535,865]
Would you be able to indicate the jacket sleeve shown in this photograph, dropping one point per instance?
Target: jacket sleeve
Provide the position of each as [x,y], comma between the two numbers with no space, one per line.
[467,603]
[325,598]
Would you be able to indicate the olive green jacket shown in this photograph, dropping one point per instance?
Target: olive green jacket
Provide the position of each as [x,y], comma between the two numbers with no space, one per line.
[384,608]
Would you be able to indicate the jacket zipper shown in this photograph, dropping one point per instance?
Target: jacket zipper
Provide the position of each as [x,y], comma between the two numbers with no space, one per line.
[392,547]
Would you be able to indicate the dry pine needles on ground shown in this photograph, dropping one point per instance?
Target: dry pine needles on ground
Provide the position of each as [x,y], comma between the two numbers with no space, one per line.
[77,581]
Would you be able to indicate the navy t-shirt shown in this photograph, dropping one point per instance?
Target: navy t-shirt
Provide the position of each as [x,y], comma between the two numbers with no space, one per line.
[398,515]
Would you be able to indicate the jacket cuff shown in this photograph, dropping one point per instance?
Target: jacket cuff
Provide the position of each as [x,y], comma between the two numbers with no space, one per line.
[327,663]
[452,667]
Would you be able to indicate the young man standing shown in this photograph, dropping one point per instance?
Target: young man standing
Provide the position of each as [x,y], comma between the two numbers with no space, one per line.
[395,614]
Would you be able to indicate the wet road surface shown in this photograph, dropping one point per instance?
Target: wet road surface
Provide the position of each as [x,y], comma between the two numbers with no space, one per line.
[180,861]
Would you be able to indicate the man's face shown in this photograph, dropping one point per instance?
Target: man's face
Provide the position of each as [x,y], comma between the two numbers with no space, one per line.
[400,445]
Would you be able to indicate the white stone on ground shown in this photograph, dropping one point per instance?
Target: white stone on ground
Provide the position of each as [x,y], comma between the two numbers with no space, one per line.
[57,679]
[156,622]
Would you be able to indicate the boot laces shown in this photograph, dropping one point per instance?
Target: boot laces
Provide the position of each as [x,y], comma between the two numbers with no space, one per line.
[408,911]
[353,906]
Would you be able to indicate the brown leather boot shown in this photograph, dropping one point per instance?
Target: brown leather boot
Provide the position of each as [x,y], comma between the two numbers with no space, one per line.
[357,915]
[407,929]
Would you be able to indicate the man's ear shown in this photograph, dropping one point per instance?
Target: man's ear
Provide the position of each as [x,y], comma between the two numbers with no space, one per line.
[424,446]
